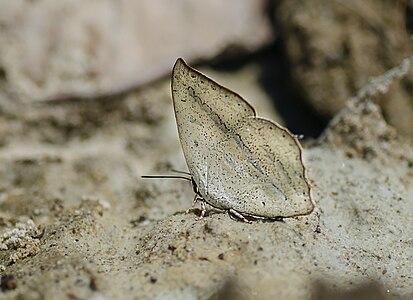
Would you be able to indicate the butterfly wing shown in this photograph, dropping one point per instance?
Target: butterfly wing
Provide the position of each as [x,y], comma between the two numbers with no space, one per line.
[237,160]
[259,171]
[205,112]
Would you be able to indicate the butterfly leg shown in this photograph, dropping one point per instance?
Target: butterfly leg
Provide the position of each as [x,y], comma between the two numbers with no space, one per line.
[203,210]
[239,216]
[196,198]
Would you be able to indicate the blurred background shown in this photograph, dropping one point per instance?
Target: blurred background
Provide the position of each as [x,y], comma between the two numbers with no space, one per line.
[307,57]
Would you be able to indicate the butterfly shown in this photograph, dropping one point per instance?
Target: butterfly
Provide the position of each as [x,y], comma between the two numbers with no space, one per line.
[238,162]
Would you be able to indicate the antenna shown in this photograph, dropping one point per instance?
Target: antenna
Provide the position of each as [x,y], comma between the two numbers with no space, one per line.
[171,176]
[181,172]
[166,176]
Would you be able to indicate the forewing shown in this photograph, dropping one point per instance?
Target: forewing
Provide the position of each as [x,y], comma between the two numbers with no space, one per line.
[205,112]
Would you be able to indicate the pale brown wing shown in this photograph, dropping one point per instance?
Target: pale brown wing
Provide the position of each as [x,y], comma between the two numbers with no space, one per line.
[257,170]
[204,112]
[237,160]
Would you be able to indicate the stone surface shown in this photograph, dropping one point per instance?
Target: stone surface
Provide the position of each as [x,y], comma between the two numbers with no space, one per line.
[69,49]
[74,168]
[334,47]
